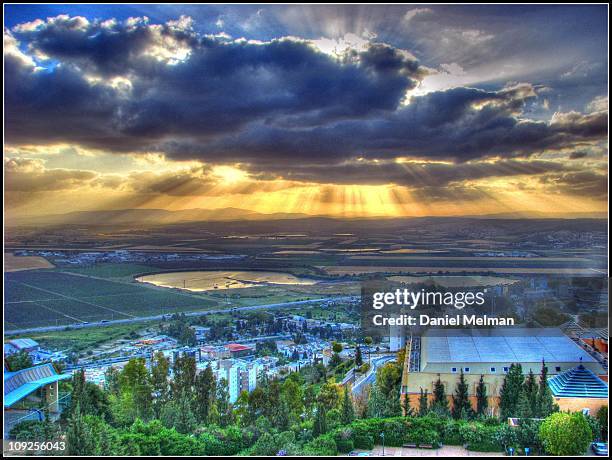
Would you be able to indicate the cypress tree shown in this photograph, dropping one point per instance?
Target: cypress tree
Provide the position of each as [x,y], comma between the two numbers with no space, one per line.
[320,423]
[347,411]
[461,402]
[482,402]
[511,391]
[440,403]
[423,406]
[545,401]
[358,357]
[530,404]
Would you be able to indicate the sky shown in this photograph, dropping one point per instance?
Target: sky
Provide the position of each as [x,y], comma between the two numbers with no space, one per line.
[415,110]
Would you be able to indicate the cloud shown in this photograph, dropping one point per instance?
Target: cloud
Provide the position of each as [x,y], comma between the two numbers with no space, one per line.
[280,108]
[26,175]
[591,184]
[411,14]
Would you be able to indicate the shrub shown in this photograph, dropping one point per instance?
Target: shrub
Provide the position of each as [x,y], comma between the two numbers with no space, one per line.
[481,438]
[321,446]
[344,441]
[565,434]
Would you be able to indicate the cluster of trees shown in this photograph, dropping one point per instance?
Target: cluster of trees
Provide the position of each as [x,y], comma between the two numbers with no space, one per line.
[179,328]
[520,396]
[18,361]
[525,397]
[142,411]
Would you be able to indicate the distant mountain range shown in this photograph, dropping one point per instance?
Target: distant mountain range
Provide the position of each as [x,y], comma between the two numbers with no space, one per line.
[162,217]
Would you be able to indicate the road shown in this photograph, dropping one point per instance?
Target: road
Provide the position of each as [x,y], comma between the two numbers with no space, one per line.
[370,376]
[159,317]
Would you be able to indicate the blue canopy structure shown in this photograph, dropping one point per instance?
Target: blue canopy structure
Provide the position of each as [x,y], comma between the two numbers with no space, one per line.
[578,383]
[18,385]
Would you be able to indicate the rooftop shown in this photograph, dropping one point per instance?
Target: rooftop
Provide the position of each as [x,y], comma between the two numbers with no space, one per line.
[18,385]
[233,347]
[23,343]
[501,345]
[578,383]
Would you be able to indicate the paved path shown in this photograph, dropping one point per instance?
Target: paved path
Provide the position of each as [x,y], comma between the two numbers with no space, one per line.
[444,451]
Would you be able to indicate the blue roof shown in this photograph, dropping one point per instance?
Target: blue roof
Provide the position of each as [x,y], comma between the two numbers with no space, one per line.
[502,345]
[579,382]
[18,385]
[24,343]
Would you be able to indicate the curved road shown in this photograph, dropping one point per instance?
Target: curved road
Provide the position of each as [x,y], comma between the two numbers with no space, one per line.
[370,376]
[159,317]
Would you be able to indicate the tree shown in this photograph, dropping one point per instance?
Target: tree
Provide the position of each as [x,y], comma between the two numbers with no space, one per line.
[602,417]
[511,391]
[135,384]
[423,403]
[79,439]
[565,434]
[291,392]
[358,357]
[204,394]
[545,402]
[160,368]
[482,401]
[222,404]
[89,397]
[347,411]
[18,361]
[462,408]
[439,404]
[368,341]
[320,422]
[528,402]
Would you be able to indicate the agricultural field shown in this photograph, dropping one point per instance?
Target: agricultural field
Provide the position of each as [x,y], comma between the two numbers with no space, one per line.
[43,298]
[13,263]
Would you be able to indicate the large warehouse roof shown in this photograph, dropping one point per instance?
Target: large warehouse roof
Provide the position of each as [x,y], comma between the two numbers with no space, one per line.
[501,345]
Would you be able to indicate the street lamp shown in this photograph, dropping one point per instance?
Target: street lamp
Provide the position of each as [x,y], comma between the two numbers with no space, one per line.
[382,436]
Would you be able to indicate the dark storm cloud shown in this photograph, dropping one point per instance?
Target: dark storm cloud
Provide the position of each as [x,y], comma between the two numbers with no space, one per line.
[419,174]
[582,183]
[186,85]
[278,105]
[458,124]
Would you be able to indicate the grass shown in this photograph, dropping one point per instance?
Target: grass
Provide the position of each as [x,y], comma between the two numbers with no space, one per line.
[107,270]
[84,339]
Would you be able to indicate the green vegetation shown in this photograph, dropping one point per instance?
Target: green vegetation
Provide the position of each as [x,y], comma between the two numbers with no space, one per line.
[110,270]
[141,411]
[18,361]
[566,434]
[51,298]
[549,316]
[524,398]
[79,340]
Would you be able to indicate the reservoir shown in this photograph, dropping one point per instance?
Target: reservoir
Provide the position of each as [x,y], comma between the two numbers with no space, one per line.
[210,280]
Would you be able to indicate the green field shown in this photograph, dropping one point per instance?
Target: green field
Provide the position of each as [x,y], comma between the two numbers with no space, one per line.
[78,340]
[48,298]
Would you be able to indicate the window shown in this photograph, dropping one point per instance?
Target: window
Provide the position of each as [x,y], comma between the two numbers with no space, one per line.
[493,369]
[506,369]
[466,369]
[558,369]
[453,369]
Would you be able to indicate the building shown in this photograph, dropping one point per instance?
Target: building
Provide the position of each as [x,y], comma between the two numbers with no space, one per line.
[19,345]
[444,353]
[240,376]
[38,385]
[579,389]
[237,350]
